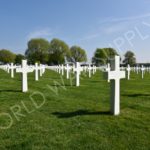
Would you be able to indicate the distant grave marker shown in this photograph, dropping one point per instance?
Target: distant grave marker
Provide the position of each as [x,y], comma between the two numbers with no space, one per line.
[78,69]
[36,68]
[143,71]
[68,68]
[128,71]
[12,68]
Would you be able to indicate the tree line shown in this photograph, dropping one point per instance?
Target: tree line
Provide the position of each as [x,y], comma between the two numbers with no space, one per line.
[58,52]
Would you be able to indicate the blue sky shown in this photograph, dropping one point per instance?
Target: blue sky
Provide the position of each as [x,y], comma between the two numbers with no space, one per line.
[121,24]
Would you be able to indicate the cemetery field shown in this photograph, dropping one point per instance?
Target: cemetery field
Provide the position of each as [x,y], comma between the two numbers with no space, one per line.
[73,117]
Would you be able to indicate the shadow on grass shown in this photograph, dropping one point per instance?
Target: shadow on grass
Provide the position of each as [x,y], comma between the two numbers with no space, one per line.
[15,91]
[79,113]
[136,95]
[62,85]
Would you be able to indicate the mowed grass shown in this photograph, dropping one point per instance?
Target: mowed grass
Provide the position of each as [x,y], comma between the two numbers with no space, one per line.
[73,118]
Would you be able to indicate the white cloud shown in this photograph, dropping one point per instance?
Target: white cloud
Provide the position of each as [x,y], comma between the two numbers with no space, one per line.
[116,28]
[41,33]
[90,37]
[114,25]
[124,19]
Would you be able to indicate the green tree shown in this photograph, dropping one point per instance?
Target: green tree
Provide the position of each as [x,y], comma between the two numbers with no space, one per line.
[78,54]
[58,52]
[19,58]
[129,58]
[37,51]
[6,56]
[103,55]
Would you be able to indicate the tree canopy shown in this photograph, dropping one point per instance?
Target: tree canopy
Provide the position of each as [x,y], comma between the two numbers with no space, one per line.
[103,55]
[37,51]
[19,58]
[6,56]
[58,52]
[129,58]
[78,54]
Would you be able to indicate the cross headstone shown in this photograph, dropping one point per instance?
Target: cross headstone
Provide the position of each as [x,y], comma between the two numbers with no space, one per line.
[115,75]
[78,69]
[108,69]
[93,69]
[24,70]
[67,70]
[8,68]
[143,70]
[62,69]
[137,69]
[59,69]
[128,71]
[12,68]
[89,68]
[42,69]
[36,68]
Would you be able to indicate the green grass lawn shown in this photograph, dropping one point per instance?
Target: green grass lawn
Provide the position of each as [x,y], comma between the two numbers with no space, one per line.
[72,117]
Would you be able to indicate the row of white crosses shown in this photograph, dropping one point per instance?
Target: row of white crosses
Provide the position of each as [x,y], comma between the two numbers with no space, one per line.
[61,68]
[75,69]
[137,70]
[9,68]
[24,69]
[78,69]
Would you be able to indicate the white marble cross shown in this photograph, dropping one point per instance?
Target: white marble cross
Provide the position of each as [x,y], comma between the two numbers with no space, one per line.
[78,69]
[108,69]
[59,69]
[143,71]
[137,69]
[115,75]
[93,69]
[8,68]
[128,71]
[36,68]
[89,68]
[24,70]
[85,68]
[12,68]
[67,70]
[62,69]
[42,69]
